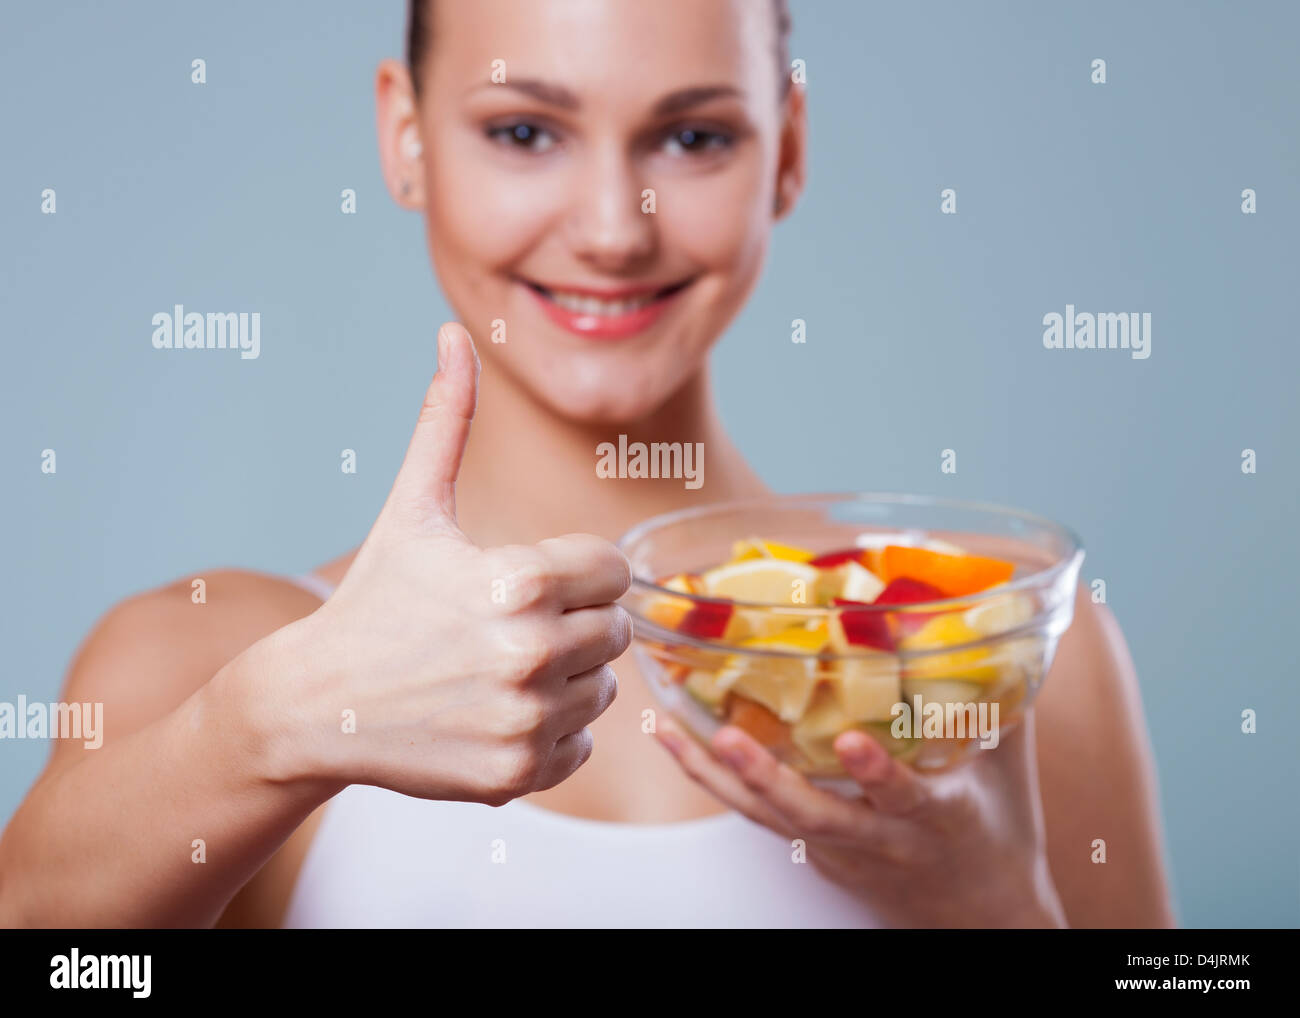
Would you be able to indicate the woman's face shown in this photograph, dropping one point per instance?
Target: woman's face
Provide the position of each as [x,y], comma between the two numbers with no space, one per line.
[599,179]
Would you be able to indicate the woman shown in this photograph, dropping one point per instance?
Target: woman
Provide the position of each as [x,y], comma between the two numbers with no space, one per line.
[598,182]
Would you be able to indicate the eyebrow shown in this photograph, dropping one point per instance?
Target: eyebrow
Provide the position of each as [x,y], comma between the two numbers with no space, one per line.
[673,102]
[552,95]
[684,99]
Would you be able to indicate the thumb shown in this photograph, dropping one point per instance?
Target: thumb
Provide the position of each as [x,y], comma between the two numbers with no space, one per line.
[427,478]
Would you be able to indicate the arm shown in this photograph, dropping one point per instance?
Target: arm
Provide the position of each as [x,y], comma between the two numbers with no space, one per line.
[105,837]
[458,695]
[1098,780]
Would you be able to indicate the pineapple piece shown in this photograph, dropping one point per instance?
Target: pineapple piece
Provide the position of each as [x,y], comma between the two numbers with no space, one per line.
[814,733]
[783,685]
[866,686]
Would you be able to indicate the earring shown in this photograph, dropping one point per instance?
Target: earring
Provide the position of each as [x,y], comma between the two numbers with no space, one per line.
[406,188]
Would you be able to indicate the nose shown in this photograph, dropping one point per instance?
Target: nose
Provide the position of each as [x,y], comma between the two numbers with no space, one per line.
[607,228]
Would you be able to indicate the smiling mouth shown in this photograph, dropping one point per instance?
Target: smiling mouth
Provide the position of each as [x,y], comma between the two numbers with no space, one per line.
[579,302]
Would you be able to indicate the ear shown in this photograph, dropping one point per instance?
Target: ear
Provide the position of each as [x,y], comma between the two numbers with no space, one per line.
[401,150]
[791,166]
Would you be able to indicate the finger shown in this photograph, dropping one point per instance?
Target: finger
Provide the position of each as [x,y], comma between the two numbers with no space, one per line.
[426,482]
[570,753]
[703,768]
[585,698]
[590,637]
[889,786]
[809,811]
[588,570]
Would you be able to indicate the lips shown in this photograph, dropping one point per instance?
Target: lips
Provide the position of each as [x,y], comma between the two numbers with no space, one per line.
[611,314]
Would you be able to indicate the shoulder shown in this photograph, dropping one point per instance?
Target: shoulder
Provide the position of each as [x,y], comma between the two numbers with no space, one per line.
[153,650]
[150,651]
[1092,678]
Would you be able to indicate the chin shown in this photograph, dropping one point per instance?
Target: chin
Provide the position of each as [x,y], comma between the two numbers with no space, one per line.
[604,408]
[613,398]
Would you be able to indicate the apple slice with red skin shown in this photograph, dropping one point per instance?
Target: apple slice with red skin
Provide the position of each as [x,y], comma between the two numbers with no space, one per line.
[865,628]
[837,558]
[873,628]
[706,620]
[905,590]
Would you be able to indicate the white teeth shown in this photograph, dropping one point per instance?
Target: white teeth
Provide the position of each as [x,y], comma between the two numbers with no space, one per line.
[584,305]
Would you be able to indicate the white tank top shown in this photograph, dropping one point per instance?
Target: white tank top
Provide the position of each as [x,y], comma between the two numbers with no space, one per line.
[381,859]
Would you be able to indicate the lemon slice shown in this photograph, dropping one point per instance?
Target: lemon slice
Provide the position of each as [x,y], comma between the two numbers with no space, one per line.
[764,581]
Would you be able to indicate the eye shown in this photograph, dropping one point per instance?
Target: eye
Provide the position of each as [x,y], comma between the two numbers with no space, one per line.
[695,141]
[523,135]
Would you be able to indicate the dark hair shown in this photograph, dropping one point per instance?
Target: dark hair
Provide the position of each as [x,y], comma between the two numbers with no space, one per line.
[420,12]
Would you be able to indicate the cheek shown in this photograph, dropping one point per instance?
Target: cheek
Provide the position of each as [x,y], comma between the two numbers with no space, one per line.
[718,221]
[483,211]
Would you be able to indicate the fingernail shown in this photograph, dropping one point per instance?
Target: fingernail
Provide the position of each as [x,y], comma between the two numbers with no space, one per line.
[671,739]
[856,753]
[734,756]
[442,346]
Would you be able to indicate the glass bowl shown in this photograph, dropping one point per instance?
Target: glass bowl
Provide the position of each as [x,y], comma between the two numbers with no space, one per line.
[931,680]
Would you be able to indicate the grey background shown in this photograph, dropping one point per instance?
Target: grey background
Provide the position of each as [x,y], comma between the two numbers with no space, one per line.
[924,330]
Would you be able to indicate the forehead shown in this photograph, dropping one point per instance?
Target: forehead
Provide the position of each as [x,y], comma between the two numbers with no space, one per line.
[606,49]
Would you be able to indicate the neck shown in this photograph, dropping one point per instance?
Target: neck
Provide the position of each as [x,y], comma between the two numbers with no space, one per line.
[529,474]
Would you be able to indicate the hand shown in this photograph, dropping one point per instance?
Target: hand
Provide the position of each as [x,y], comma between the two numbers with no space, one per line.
[964,848]
[471,673]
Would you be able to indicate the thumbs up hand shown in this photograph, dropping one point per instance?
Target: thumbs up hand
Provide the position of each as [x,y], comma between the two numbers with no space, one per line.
[472,672]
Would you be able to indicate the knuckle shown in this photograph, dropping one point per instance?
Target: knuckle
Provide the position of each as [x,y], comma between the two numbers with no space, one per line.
[586,743]
[528,578]
[519,770]
[527,653]
[496,797]
[525,715]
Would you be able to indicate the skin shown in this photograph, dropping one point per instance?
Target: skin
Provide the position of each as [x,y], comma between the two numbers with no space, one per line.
[256,678]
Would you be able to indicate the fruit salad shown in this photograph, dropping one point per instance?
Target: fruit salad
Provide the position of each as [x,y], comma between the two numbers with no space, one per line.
[796,646]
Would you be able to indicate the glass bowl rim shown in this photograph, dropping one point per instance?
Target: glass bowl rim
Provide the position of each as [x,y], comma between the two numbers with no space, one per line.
[1044,577]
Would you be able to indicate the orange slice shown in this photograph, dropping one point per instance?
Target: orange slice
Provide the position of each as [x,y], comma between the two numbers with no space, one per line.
[955,575]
